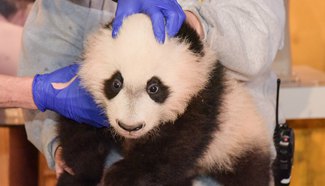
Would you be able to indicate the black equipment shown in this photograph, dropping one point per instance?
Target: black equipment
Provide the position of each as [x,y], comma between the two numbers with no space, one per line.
[284,143]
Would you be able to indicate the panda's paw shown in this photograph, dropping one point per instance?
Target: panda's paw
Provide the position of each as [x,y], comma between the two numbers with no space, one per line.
[124,174]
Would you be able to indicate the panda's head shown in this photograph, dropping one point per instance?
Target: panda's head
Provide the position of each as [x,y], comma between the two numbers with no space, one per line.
[140,83]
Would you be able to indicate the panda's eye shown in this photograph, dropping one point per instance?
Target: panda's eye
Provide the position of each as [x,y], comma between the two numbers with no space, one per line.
[113,85]
[117,84]
[157,90]
[153,89]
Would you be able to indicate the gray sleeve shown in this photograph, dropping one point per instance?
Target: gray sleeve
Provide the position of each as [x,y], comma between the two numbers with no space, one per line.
[245,34]
[41,131]
[53,38]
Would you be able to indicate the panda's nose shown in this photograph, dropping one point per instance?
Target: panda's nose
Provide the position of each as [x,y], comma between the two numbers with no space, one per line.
[130,128]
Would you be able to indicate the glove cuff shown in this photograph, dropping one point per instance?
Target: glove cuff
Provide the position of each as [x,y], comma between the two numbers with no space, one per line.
[37,92]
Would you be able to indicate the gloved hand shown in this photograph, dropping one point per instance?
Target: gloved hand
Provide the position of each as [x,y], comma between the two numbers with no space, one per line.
[160,11]
[73,101]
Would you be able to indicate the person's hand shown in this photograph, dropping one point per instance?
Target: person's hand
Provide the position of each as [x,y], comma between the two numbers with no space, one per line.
[60,165]
[69,100]
[159,11]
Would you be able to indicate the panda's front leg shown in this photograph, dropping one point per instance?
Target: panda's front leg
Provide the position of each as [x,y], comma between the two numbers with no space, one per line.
[84,150]
[125,173]
[166,160]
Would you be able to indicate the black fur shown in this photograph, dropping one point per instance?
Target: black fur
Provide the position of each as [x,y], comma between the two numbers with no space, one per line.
[252,169]
[157,90]
[113,85]
[84,149]
[189,35]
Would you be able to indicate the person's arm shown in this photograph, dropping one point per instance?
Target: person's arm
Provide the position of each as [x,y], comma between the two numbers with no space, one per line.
[245,34]
[16,92]
[53,38]
[59,91]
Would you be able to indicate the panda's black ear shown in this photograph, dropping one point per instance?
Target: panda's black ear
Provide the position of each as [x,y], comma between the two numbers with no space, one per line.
[189,35]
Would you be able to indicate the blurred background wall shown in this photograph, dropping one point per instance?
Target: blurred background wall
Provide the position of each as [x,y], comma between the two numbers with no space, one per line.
[307,30]
[307,34]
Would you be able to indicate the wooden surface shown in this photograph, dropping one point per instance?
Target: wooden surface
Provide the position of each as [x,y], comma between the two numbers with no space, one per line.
[4,157]
[11,117]
[46,176]
[23,159]
[309,163]
[17,176]
[18,157]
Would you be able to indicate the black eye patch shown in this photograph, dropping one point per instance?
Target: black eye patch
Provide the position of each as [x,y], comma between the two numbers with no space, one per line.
[113,85]
[157,90]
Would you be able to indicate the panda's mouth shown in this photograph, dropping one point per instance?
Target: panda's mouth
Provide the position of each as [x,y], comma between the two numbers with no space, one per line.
[130,128]
[130,135]
[130,131]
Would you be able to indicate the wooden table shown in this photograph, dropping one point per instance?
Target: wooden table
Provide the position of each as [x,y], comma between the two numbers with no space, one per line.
[22,167]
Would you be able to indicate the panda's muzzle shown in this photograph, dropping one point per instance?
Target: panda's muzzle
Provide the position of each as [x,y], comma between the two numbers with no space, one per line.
[129,128]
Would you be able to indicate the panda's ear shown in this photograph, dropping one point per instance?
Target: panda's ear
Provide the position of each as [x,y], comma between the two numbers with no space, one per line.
[189,35]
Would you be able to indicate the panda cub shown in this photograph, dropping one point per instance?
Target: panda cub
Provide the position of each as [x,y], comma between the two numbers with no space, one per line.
[174,110]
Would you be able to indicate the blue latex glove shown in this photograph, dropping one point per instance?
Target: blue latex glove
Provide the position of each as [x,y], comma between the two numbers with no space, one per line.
[160,11]
[73,102]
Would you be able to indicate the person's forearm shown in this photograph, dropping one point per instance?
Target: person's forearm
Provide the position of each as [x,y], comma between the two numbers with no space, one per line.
[245,34]
[16,92]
